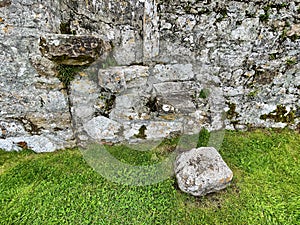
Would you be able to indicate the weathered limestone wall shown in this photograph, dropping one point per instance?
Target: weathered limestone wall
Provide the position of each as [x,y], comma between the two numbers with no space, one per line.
[33,107]
[144,69]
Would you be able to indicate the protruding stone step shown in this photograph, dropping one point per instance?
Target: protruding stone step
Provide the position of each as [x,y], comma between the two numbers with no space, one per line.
[73,49]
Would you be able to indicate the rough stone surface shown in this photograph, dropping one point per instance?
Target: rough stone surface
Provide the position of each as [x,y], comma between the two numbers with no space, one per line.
[165,66]
[72,49]
[200,171]
[101,128]
[36,143]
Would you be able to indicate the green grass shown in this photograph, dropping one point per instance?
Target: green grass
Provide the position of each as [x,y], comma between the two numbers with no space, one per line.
[60,188]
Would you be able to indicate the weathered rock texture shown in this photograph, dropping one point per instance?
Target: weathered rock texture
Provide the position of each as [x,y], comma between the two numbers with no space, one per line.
[72,49]
[150,68]
[200,171]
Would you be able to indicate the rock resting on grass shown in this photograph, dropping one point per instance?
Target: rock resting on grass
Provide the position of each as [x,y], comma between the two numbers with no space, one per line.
[200,171]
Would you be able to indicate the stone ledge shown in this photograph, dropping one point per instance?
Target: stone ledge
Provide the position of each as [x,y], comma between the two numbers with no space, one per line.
[73,49]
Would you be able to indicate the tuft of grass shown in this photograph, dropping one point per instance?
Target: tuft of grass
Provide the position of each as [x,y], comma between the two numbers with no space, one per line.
[61,188]
[204,93]
[67,73]
[291,61]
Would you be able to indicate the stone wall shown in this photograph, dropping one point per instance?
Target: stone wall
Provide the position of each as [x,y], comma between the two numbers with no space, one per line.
[128,70]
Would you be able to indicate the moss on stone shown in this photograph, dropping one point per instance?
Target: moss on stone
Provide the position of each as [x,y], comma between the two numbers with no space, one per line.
[252,94]
[231,113]
[280,114]
[294,37]
[141,133]
[65,28]
[107,99]
[187,8]
[273,56]
[279,6]
[153,104]
[265,17]
[66,73]
[204,93]
[222,14]
[262,76]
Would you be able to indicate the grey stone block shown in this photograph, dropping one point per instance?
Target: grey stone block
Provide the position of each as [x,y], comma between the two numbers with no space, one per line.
[200,171]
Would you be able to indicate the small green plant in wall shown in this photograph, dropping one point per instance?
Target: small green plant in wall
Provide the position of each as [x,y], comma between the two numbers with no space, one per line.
[291,61]
[253,93]
[66,73]
[272,56]
[264,17]
[204,93]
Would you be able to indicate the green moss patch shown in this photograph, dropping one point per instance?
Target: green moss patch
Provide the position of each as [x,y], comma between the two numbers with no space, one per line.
[141,133]
[204,93]
[280,114]
[231,113]
[67,73]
